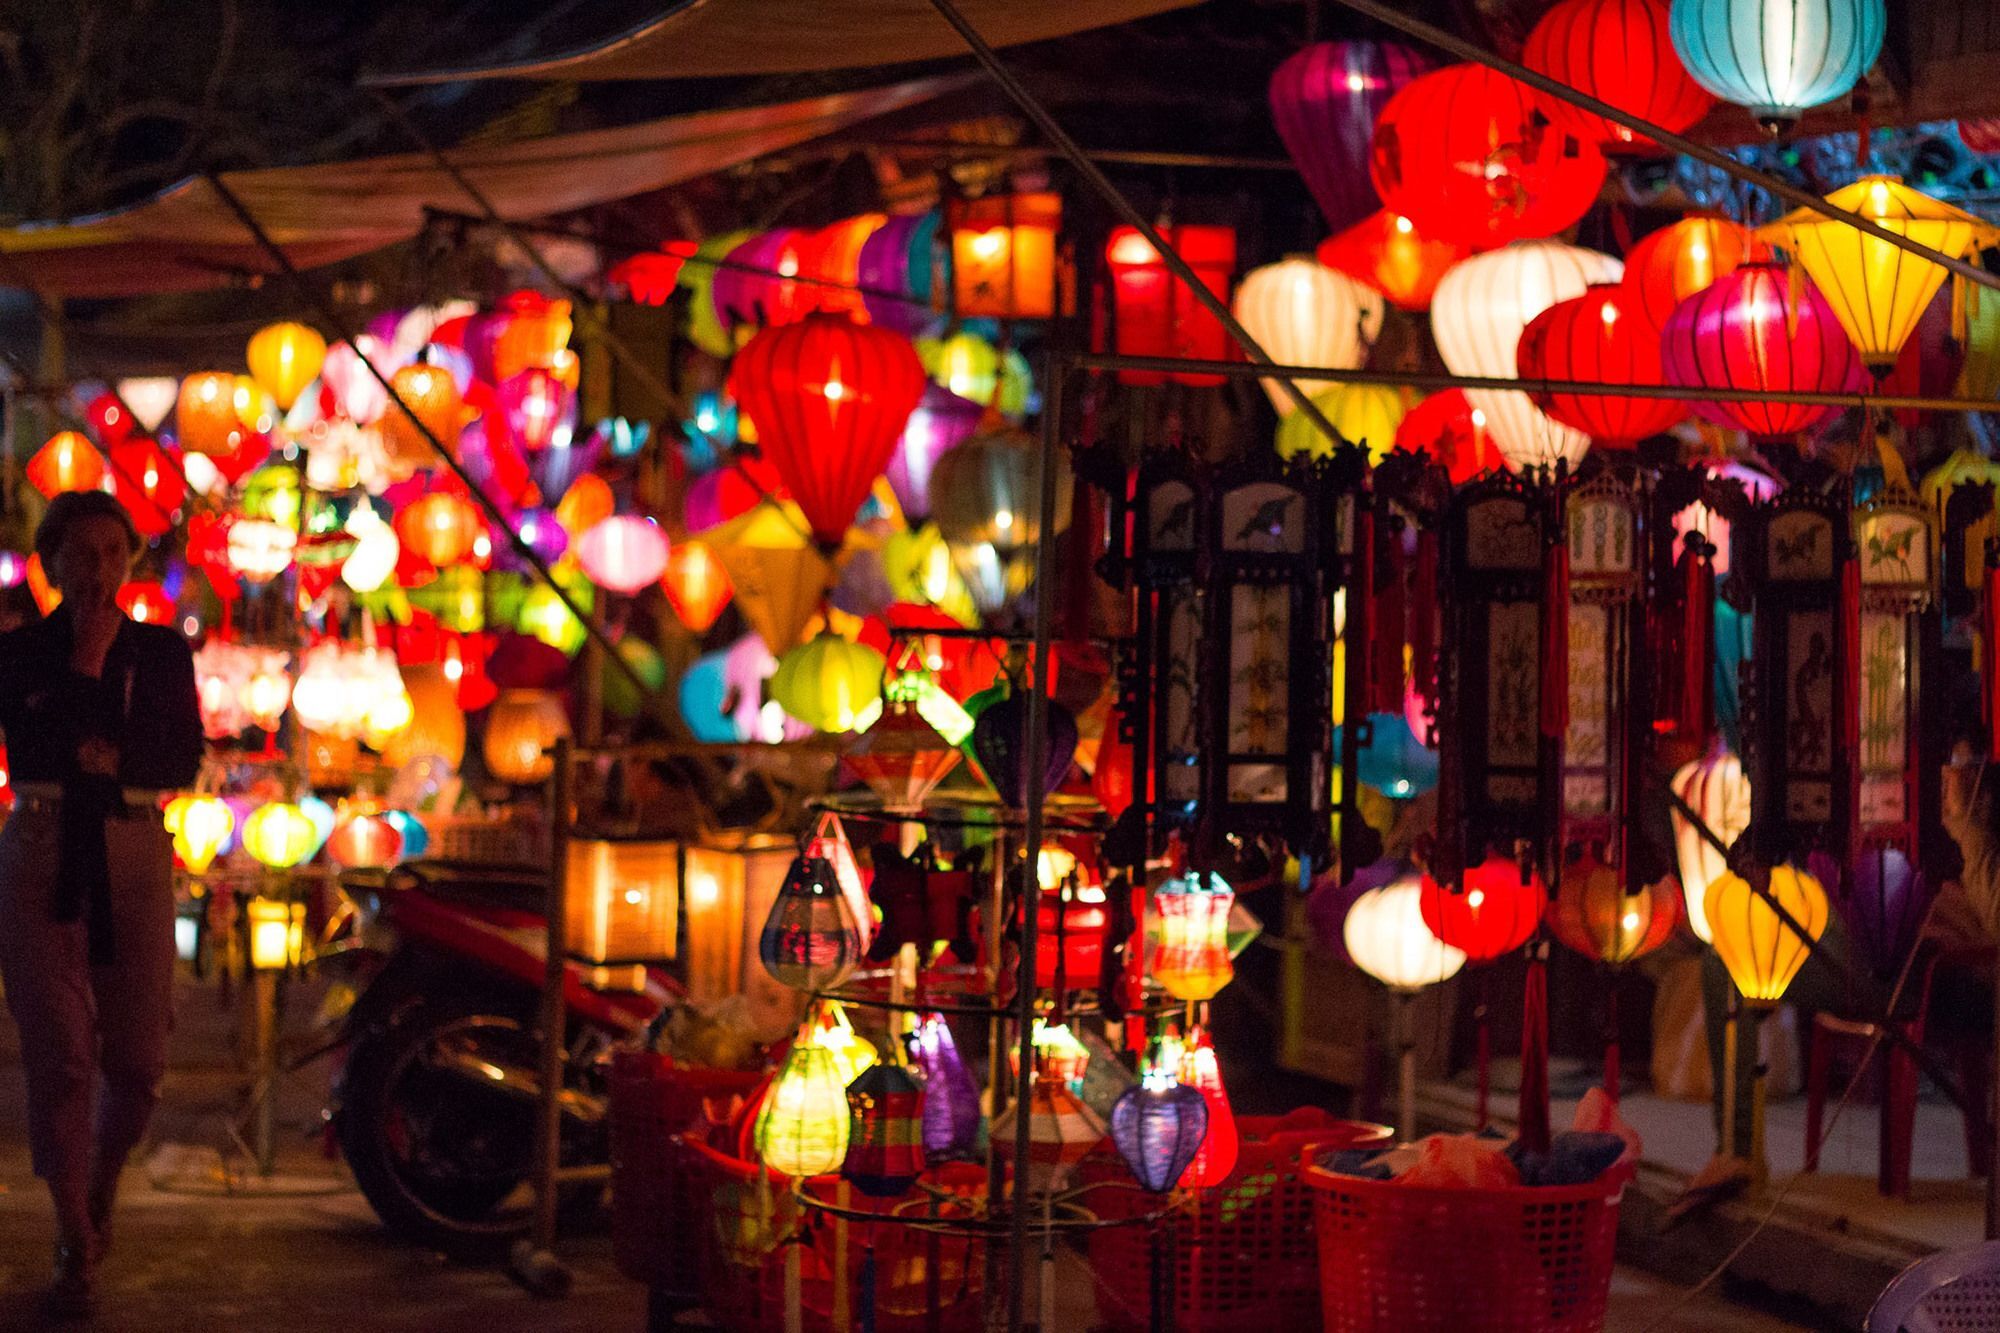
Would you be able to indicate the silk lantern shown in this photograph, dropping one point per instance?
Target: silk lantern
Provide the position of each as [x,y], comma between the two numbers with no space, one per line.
[696,585]
[1325,100]
[1305,314]
[280,835]
[441,526]
[986,502]
[1877,291]
[1465,153]
[522,727]
[829,398]
[974,368]
[1601,337]
[885,1144]
[147,481]
[1153,311]
[895,271]
[1190,954]
[426,399]
[951,1099]
[1762,953]
[1220,1146]
[284,358]
[1387,938]
[1778,57]
[1886,906]
[1482,307]
[1716,788]
[1495,912]
[1385,251]
[201,826]
[802,1128]
[277,932]
[1062,1130]
[835,259]
[1620,52]
[1364,415]
[1748,331]
[147,602]
[205,419]
[1669,265]
[1003,255]
[1453,432]
[757,283]
[902,757]
[437,725]
[1000,743]
[364,842]
[65,462]
[624,552]
[150,397]
[830,684]
[811,939]
[940,423]
[1594,915]
[1158,1125]
[259,549]
[540,410]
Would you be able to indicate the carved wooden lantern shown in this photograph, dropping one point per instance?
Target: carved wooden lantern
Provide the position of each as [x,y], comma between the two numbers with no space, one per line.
[1896,776]
[1606,575]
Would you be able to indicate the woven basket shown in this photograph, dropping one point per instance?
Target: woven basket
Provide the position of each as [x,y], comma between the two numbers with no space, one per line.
[514,839]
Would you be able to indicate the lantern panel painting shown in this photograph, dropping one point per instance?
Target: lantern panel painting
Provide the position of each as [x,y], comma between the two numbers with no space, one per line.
[1263,519]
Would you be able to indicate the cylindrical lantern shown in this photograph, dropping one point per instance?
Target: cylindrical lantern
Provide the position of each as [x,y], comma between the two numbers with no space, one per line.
[1716,788]
[205,418]
[522,727]
[1778,57]
[433,396]
[1386,937]
[951,1099]
[1157,1125]
[624,552]
[1465,152]
[811,939]
[1154,313]
[829,398]
[1190,955]
[1600,337]
[1302,313]
[623,901]
[1003,255]
[1619,52]
[65,462]
[802,1129]
[696,585]
[1492,913]
[830,684]
[1762,953]
[1750,331]
[1220,1146]
[1325,99]
[277,932]
[986,501]
[1592,914]
[1385,251]
[1670,265]
[940,423]
[284,358]
[885,1140]
[280,835]
[1481,308]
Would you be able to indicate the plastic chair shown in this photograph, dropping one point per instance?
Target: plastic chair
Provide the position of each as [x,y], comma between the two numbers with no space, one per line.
[1954,1292]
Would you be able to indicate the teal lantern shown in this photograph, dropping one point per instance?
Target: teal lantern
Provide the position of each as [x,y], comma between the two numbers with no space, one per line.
[1393,761]
[1778,57]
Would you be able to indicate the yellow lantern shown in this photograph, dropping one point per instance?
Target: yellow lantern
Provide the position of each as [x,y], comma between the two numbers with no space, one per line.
[1716,788]
[201,826]
[437,725]
[388,716]
[267,691]
[919,569]
[284,358]
[544,616]
[1366,415]
[830,684]
[277,932]
[521,728]
[205,413]
[1980,377]
[1878,291]
[803,1126]
[1003,251]
[432,395]
[778,574]
[622,904]
[852,1052]
[1762,953]
[280,835]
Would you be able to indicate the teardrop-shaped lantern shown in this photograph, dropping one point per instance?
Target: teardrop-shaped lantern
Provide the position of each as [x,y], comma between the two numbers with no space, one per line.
[1220,1146]
[1158,1125]
[433,396]
[1762,953]
[1000,743]
[803,1126]
[696,585]
[284,358]
[951,1099]
[941,422]
[811,940]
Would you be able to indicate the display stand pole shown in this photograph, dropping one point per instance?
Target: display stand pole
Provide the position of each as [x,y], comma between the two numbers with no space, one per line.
[533,1258]
[1991,1094]
[1760,1169]
[264,1008]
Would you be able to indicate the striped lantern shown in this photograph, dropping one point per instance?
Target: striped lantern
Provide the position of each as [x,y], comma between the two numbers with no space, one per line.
[1061,1132]
[811,939]
[885,1141]
[951,1099]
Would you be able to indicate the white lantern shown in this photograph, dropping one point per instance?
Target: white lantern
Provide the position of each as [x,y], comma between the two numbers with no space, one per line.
[150,397]
[1477,316]
[376,551]
[1305,314]
[221,670]
[1387,938]
[339,685]
[1716,788]
[259,549]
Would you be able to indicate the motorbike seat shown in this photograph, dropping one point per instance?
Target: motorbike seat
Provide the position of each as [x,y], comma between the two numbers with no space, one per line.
[512,888]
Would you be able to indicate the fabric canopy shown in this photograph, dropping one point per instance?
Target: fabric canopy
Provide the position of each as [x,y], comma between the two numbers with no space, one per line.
[188,238]
[703,38]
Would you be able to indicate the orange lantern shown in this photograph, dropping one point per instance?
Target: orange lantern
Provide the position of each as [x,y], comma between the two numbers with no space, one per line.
[46,597]
[205,414]
[534,337]
[586,503]
[432,394]
[284,358]
[1003,252]
[1673,263]
[521,728]
[442,527]
[68,462]
[834,255]
[1388,253]
[147,602]
[696,585]
[1592,913]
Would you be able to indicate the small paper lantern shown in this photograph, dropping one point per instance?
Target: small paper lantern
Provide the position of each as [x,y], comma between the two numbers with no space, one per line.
[1072,925]
[540,410]
[1385,251]
[66,462]
[1717,788]
[1778,57]
[1325,99]
[280,835]
[148,482]
[985,500]
[885,1141]
[1593,914]
[951,1099]
[522,727]
[811,939]
[259,549]
[1365,415]
[1000,743]
[853,1053]
[442,527]
[696,585]
[1003,255]
[1061,1132]
[1220,1146]
[1190,954]
[1600,337]
[1154,313]
[902,757]
[802,1129]
[284,358]
[277,932]
[146,602]
[201,826]
[1302,313]
[1387,938]
[940,422]
[1748,331]
[1877,291]
[1619,52]
[624,552]
[1495,912]
[1670,265]
[364,842]
[1158,1125]
[1762,953]
[150,397]
[432,395]
[205,418]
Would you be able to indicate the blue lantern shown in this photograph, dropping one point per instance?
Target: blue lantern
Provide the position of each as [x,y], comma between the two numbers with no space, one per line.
[1394,762]
[1778,57]
[704,699]
[416,838]
[710,431]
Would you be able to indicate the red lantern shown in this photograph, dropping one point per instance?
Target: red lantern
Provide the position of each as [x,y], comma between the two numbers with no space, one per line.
[107,416]
[1451,430]
[147,481]
[1673,263]
[1216,1157]
[1618,51]
[1929,363]
[1600,336]
[829,398]
[1387,252]
[696,585]
[146,601]
[1754,330]
[1492,914]
[1071,928]
[1111,780]
[1465,153]
[1154,312]
[1593,914]
[649,278]
[67,462]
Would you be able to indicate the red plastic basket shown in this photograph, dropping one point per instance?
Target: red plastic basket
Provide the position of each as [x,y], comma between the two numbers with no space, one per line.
[1243,1254]
[652,1100]
[1405,1259]
[923,1282]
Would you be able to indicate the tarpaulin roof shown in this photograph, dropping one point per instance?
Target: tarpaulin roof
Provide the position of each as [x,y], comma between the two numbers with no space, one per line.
[187,238]
[703,38]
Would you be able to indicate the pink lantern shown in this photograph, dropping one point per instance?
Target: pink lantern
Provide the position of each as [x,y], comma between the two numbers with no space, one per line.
[748,665]
[623,553]
[760,290]
[1325,100]
[540,409]
[941,420]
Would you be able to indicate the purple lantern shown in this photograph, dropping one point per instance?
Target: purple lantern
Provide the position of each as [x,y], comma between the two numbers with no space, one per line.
[1325,100]
[556,469]
[1157,1125]
[752,293]
[951,1100]
[1885,906]
[896,258]
[540,410]
[863,587]
[494,465]
[941,420]
[544,536]
[1000,743]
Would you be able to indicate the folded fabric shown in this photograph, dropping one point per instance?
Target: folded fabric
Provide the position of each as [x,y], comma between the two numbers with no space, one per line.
[1573,1158]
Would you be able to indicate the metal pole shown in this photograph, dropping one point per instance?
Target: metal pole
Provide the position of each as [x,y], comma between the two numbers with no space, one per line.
[1666,138]
[264,1001]
[553,1019]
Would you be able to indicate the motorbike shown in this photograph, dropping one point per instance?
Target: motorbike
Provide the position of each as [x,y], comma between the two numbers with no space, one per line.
[435,1002]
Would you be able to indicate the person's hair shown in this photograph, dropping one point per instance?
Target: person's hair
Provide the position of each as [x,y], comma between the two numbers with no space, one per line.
[72,507]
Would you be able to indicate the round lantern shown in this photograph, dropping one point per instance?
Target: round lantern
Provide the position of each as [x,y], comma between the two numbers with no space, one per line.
[441,526]
[1778,57]
[259,549]
[267,689]
[1157,1125]
[280,835]
[1877,291]
[432,395]
[65,462]
[1387,938]
[829,398]
[205,418]
[1465,153]
[829,684]
[148,483]
[201,826]
[1220,1146]
[107,419]
[1000,743]
[811,939]
[757,284]
[586,503]
[1453,432]
[364,842]
[951,1098]
[147,602]
[1494,912]
[624,552]
[1482,307]
[696,585]
[1601,337]
[150,397]
[1153,313]
[885,1141]
[284,359]
[1717,788]
[1385,251]
[1762,953]
[986,502]
[895,271]
[1190,954]
[1365,415]
[1592,913]
[522,727]
[941,422]
[1670,265]
[1325,100]
[833,255]
[1302,313]
[1747,331]
[1619,52]
[802,1128]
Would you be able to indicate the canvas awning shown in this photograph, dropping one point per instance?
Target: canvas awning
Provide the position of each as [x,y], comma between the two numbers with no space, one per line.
[705,38]
[187,238]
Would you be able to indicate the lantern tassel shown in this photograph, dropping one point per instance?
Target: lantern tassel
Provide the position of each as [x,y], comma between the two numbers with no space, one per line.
[1555,640]
[1990,668]
[1533,1116]
[1483,1053]
[1614,1073]
[1423,615]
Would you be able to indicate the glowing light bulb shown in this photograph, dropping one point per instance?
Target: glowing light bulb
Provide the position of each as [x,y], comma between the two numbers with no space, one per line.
[987,244]
[835,391]
[1404,225]
[1630,921]
[1003,519]
[1479,417]
[1476,898]
[1357,83]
